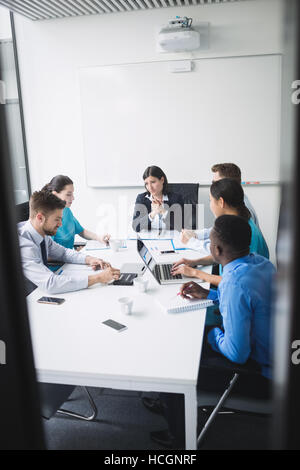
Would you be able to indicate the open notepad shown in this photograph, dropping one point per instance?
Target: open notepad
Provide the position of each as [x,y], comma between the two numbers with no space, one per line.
[177,304]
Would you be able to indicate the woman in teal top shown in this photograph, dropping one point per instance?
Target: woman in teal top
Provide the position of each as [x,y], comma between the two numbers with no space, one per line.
[226,197]
[62,186]
[258,244]
[70,227]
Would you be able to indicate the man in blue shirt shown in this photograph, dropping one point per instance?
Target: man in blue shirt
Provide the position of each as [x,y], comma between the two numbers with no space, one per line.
[244,297]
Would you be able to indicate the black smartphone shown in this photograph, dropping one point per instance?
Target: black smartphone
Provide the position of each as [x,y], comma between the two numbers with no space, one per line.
[115,325]
[51,300]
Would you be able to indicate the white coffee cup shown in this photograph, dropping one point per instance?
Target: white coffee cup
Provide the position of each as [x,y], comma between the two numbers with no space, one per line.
[115,244]
[123,243]
[125,305]
[141,284]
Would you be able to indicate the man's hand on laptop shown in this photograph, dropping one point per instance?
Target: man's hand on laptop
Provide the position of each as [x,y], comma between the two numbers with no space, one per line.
[192,290]
[97,263]
[109,274]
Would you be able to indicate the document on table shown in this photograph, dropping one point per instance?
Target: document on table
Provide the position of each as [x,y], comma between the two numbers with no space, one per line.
[153,235]
[95,245]
[76,270]
[156,246]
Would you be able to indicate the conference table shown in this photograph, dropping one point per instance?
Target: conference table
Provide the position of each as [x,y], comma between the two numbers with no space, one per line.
[158,352]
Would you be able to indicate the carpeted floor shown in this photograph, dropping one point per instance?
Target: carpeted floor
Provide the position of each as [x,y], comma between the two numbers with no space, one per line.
[123,423]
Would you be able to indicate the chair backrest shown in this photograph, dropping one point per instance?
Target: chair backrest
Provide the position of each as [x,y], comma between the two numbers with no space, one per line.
[22,214]
[29,286]
[22,211]
[189,192]
[52,397]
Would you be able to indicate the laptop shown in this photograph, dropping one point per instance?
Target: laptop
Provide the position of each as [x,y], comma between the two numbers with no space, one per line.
[133,268]
[160,271]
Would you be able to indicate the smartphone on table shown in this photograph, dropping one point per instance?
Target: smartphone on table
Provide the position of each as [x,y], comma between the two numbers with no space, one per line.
[51,300]
[115,325]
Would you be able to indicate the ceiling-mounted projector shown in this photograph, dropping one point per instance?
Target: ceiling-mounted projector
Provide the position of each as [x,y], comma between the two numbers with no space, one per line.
[178,36]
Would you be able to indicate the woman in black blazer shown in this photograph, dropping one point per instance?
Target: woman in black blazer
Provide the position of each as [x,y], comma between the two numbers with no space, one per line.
[157,208]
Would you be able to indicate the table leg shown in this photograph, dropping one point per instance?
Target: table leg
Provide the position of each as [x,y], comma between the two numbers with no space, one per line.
[191,413]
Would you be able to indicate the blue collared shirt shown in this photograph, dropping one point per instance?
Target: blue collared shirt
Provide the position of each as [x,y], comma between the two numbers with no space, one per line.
[244,296]
[34,268]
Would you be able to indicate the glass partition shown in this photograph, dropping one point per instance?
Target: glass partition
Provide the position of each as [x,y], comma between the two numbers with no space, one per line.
[11,102]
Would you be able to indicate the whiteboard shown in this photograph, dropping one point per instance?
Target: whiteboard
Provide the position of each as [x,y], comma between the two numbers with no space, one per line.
[224,110]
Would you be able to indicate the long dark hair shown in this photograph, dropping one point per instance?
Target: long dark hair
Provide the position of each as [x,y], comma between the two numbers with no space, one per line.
[232,193]
[57,183]
[157,173]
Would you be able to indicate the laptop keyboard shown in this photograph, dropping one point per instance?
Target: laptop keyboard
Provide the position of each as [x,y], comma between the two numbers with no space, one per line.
[164,272]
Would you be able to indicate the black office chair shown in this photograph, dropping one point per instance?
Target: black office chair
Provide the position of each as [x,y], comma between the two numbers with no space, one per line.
[235,401]
[54,395]
[22,211]
[189,192]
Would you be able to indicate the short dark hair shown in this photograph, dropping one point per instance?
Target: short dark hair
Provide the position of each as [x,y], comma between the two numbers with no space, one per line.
[157,173]
[228,170]
[44,202]
[232,193]
[234,232]
[57,183]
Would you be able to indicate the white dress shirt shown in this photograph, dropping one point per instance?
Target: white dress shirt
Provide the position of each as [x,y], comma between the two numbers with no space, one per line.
[35,270]
[158,222]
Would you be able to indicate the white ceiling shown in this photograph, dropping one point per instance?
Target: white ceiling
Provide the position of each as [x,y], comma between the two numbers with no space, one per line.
[51,9]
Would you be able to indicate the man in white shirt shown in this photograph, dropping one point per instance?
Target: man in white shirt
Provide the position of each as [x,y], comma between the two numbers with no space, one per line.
[37,246]
[199,240]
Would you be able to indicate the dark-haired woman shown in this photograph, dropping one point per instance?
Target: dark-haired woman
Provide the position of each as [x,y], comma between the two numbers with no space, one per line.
[157,208]
[226,197]
[63,187]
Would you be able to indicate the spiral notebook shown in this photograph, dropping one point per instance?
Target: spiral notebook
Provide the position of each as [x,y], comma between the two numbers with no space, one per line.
[177,304]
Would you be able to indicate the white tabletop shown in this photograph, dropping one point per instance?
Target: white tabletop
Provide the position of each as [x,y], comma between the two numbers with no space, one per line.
[71,345]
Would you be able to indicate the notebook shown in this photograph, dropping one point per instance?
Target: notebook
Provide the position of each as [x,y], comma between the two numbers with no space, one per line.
[177,304]
[95,245]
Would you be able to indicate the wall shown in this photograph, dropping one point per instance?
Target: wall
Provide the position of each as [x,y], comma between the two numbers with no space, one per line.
[51,52]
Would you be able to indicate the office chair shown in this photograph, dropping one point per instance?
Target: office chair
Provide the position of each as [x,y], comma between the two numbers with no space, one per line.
[189,192]
[22,212]
[54,395]
[234,401]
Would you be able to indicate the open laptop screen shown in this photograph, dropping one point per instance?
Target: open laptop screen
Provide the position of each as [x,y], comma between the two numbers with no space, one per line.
[147,258]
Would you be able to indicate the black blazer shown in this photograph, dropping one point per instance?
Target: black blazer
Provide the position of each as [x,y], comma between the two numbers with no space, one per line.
[142,210]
